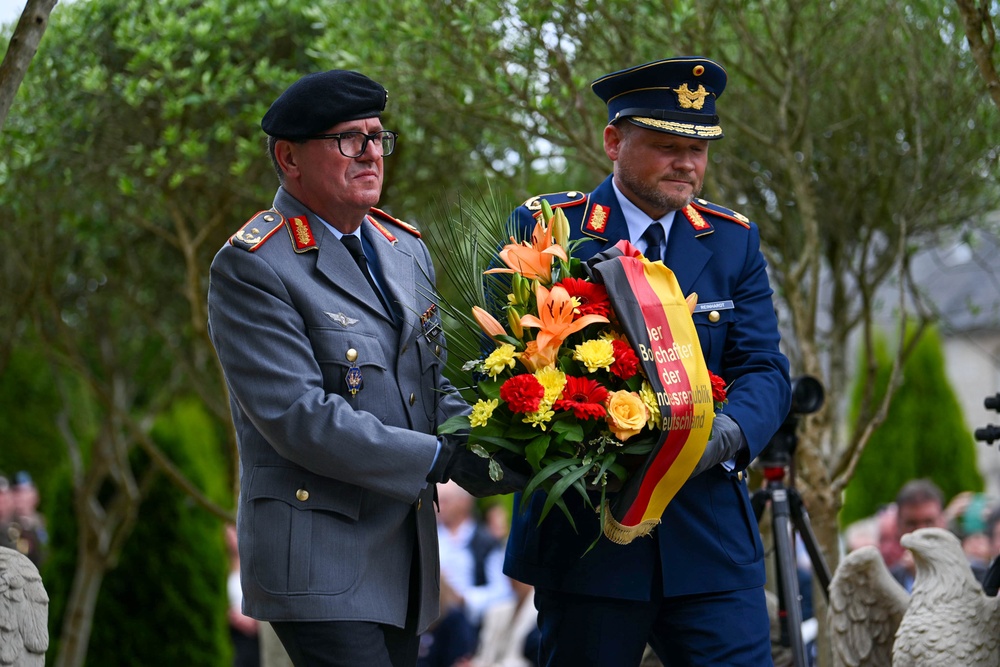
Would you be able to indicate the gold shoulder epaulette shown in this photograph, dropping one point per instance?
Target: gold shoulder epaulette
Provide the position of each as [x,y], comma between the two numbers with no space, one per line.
[405,226]
[556,200]
[722,212]
[257,229]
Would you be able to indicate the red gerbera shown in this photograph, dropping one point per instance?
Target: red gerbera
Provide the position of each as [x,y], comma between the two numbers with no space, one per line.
[593,298]
[626,363]
[718,388]
[585,397]
[522,393]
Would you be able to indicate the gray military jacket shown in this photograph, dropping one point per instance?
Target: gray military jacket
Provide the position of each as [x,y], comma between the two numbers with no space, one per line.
[333,504]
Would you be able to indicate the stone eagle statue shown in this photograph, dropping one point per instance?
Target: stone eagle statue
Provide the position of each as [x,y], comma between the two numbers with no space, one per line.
[24,612]
[948,620]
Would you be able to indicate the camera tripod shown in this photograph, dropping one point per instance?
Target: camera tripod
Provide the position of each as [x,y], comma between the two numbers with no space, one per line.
[787,511]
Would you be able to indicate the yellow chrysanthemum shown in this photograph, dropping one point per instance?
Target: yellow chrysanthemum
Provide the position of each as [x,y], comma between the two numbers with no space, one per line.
[500,359]
[482,411]
[649,398]
[553,380]
[539,418]
[595,354]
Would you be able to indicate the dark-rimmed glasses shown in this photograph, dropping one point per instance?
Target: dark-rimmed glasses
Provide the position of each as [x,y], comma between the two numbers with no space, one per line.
[354,144]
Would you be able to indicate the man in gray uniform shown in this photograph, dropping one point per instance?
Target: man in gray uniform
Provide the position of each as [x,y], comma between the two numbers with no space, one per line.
[322,312]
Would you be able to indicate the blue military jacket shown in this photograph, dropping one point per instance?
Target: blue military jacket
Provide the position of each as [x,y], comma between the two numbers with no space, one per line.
[708,539]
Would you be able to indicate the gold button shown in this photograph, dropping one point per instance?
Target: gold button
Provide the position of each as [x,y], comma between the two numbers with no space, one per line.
[302,495]
[413,398]
[739,475]
[268,218]
[420,503]
[352,354]
[713,316]
[437,350]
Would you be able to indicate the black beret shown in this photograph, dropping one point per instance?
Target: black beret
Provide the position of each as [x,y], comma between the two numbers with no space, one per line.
[319,101]
[676,95]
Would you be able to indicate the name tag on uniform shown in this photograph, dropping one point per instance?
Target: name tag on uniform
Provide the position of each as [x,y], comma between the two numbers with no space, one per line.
[713,305]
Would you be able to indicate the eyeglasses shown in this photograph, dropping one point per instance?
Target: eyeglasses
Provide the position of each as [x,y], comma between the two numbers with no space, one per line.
[354,144]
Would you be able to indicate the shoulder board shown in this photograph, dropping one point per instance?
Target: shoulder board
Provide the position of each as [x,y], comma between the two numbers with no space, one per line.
[256,230]
[556,200]
[385,217]
[722,212]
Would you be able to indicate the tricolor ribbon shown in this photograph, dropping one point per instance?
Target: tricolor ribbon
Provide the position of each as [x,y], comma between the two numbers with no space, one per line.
[657,322]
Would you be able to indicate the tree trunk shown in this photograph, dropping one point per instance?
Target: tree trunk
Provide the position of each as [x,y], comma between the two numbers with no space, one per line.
[75,635]
[23,45]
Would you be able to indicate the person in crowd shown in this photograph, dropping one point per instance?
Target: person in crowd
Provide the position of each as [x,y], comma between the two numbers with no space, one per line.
[993,531]
[471,557]
[451,639]
[966,515]
[497,518]
[694,590]
[26,528]
[243,630]
[6,513]
[321,310]
[861,533]
[888,535]
[505,632]
[919,504]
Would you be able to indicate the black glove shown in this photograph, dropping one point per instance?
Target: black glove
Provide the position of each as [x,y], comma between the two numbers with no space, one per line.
[726,441]
[472,472]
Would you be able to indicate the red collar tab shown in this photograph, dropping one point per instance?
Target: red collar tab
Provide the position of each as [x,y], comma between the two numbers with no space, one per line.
[701,226]
[597,221]
[301,233]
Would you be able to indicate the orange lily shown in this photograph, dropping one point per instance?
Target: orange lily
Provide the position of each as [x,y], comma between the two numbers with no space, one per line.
[532,260]
[489,324]
[692,301]
[535,359]
[555,319]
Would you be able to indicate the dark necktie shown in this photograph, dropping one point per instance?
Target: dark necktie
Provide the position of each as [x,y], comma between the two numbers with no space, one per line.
[353,245]
[655,242]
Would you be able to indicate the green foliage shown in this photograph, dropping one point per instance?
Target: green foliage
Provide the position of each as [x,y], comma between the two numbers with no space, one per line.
[173,569]
[31,435]
[923,435]
[58,568]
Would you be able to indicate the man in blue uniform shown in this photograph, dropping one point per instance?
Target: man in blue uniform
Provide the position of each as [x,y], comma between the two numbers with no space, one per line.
[321,311]
[694,590]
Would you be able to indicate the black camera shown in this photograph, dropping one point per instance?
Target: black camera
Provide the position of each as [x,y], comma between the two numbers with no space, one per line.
[807,398]
[990,433]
